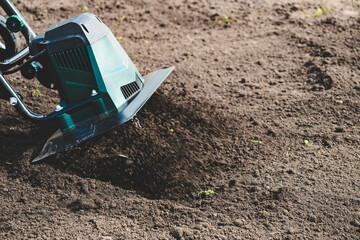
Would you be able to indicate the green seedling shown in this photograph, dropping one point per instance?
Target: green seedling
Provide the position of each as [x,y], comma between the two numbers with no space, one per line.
[120,38]
[356,127]
[37,92]
[46,12]
[11,129]
[171,131]
[320,11]
[266,212]
[207,192]
[276,187]
[165,212]
[226,19]
[122,18]
[307,143]
[301,116]
[8,163]
[84,9]
[256,141]
[208,165]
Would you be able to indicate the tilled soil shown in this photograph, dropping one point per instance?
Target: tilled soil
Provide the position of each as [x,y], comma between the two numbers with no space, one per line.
[255,135]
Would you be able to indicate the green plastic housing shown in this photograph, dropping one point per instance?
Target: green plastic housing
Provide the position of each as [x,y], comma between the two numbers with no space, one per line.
[102,66]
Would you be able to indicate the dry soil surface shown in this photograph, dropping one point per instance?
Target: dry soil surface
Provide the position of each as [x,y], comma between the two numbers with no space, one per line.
[255,135]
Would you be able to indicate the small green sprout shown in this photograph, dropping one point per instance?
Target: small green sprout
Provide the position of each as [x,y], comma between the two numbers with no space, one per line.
[301,116]
[120,38]
[171,131]
[8,163]
[307,143]
[11,129]
[122,18]
[266,212]
[46,12]
[165,212]
[355,127]
[256,141]
[208,165]
[321,11]
[207,192]
[84,9]
[226,19]
[276,187]
[37,92]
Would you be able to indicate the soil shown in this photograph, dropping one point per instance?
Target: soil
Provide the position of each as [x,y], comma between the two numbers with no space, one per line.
[255,135]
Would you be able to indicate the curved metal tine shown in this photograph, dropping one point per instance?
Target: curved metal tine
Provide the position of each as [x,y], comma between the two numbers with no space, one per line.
[13,59]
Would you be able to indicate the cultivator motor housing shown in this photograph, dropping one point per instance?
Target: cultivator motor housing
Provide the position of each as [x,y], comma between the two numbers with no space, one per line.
[99,86]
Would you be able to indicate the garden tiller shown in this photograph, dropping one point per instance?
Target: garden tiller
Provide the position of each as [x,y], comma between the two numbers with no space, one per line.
[99,86]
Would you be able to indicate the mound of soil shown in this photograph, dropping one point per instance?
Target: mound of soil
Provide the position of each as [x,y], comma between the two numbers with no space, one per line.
[255,134]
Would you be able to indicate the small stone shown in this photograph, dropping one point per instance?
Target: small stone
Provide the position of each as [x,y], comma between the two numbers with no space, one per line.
[176,232]
[290,231]
[312,218]
[355,223]
[260,63]
[256,173]
[106,238]
[5,189]
[239,222]
[290,171]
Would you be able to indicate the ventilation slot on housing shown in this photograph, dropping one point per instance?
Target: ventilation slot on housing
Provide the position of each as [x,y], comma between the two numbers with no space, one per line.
[77,58]
[130,89]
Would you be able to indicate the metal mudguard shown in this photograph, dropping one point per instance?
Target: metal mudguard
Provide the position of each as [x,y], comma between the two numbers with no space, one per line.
[59,141]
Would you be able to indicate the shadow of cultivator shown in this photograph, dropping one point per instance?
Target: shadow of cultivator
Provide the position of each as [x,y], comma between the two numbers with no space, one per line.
[99,86]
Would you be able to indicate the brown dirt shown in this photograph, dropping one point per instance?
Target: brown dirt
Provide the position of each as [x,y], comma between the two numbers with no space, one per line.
[243,99]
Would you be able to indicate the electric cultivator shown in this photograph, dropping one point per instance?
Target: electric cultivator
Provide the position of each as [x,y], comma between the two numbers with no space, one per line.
[99,86]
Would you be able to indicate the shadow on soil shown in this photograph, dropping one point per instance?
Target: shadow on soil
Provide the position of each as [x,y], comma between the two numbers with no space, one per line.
[167,157]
